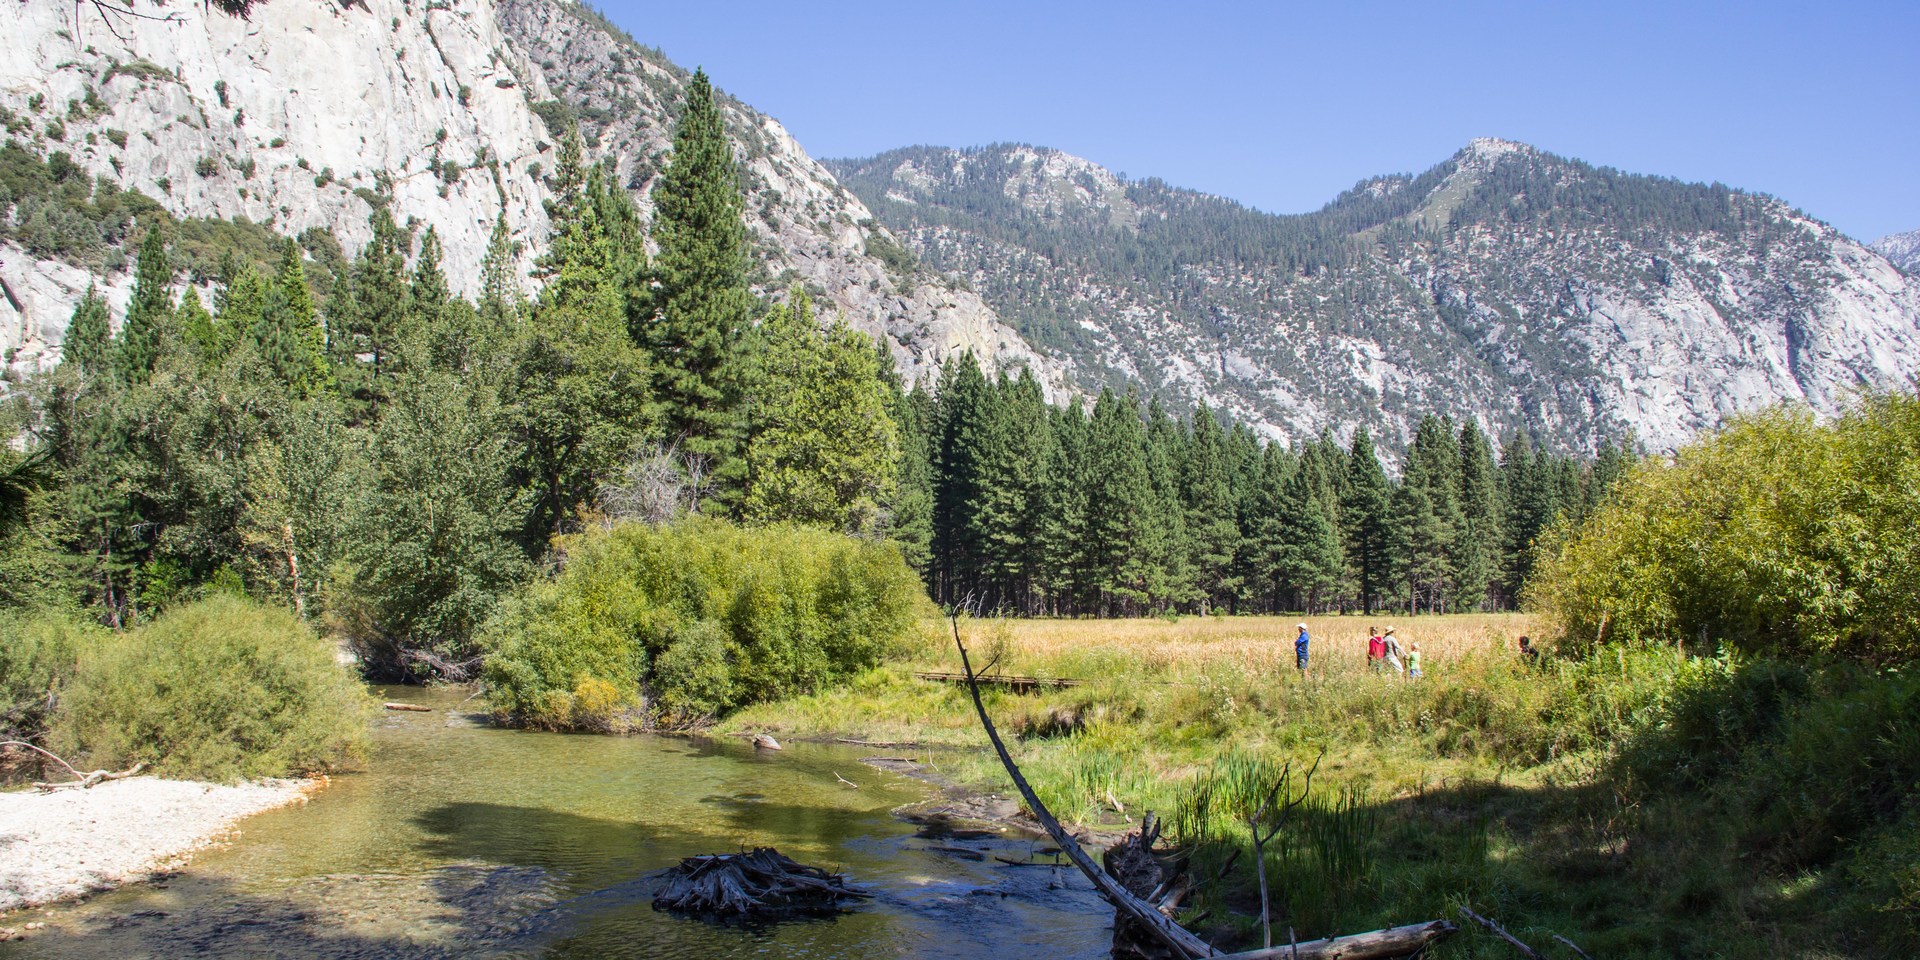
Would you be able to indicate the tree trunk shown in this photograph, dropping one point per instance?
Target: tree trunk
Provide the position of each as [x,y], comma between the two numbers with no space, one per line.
[1376,945]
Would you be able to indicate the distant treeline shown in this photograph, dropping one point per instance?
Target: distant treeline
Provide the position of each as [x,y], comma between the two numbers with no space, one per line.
[1125,510]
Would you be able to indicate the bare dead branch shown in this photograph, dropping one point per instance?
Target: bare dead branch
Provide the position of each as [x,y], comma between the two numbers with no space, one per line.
[1501,932]
[1182,942]
[1570,944]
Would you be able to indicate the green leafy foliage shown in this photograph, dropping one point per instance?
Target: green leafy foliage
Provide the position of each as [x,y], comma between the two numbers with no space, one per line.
[675,624]
[218,689]
[1777,536]
[823,446]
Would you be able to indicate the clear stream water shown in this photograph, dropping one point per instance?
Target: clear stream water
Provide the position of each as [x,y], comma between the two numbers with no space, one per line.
[462,840]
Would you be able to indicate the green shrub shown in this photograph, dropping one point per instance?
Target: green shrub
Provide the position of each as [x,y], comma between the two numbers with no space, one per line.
[219,689]
[1779,536]
[37,653]
[693,619]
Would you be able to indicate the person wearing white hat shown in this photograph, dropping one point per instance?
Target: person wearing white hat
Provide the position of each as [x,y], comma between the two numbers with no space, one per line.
[1392,651]
[1300,650]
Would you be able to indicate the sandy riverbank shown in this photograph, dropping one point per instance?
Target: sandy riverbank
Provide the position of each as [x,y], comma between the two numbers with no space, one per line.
[69,843]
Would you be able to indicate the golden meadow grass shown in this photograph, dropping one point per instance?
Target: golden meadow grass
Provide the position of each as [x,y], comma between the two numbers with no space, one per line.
[1057,648]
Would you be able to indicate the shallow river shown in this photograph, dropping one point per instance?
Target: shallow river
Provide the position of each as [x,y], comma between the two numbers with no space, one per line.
[460,840]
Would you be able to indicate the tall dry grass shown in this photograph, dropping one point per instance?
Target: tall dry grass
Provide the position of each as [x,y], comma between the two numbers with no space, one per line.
[1098,649]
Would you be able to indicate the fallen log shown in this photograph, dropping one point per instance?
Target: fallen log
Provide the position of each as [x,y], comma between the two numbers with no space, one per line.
[1374,945]
[760,883]
[408,707]
[91,780]
[1016,684]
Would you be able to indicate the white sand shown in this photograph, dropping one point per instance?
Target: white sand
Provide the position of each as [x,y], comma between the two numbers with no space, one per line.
[69,843]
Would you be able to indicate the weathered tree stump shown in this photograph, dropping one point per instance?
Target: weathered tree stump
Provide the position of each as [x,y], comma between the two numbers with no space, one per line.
[758,884]
[1133,863]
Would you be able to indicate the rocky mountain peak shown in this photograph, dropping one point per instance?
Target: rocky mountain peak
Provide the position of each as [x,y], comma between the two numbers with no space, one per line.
[1901,249]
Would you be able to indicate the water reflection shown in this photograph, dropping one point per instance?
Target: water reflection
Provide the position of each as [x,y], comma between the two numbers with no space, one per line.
[465,841]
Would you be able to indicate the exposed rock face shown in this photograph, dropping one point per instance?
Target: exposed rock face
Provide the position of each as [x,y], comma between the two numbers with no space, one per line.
[1901,249]
[1521,289]
[309,112]
[805,227]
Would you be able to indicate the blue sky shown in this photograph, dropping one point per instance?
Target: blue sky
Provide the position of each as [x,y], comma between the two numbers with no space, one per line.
[1282,106]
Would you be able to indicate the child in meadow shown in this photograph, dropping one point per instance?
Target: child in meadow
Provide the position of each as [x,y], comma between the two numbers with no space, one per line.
[1413,661]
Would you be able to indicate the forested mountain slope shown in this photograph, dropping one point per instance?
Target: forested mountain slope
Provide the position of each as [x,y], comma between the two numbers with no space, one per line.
[1521,289]
[307,114]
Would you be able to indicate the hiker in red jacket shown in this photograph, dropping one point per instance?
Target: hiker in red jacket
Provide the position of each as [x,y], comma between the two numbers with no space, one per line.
[1376,649]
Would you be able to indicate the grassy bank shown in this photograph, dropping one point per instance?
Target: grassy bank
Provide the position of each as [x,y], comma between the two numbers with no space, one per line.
[1618,798]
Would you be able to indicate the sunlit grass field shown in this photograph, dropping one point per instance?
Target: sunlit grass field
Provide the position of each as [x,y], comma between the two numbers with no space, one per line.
[1489,782]
[1059,648]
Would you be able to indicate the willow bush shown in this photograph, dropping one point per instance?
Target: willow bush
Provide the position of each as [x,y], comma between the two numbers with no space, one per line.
[218,689]
[1776,536]
[672,625]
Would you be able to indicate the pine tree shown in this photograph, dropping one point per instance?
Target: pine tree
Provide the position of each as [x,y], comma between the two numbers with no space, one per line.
[1364,524]
[370,321]
[503,302]
[1164,545]
[196,326]
[150,315]
[581,400]
[699,307]
[427,294]
[1213,530]
[88,343]
[237,309]
[1417,545]
[1479,540]
[1308,556]
[1064,577]
[911,525]
[824,450]
[1121,508]
[964,402]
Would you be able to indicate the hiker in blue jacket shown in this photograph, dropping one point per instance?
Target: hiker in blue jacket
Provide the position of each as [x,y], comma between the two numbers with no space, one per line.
[1300,651]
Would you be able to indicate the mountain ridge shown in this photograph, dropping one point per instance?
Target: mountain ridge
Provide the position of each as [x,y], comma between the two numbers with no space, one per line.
[1582,317]
[1531,292]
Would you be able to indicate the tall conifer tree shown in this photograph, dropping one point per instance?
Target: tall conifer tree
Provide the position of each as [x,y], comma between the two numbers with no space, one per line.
[1364,520]
[88,343]
[150,314]
[699,308]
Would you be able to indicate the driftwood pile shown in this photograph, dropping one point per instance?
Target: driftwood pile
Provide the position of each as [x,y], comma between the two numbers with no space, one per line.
[759,884]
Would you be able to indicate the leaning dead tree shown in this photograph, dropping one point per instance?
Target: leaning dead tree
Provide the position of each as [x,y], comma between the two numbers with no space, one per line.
[761,884]
[1156,935]
[1180,943]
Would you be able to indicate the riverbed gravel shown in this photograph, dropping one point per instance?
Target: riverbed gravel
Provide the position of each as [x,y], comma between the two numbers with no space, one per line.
[69,843]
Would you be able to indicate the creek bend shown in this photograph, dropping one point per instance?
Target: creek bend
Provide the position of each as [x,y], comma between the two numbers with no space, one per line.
[459,839]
